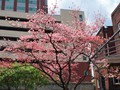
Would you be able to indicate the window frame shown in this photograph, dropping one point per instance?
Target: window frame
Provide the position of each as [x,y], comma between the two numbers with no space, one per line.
[114,81]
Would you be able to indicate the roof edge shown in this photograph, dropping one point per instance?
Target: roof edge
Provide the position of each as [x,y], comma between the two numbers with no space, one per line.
[115,9]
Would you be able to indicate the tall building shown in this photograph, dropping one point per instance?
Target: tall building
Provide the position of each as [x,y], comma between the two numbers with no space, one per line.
[28,6]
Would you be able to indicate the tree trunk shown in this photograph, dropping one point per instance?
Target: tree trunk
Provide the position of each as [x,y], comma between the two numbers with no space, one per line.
[66,88]
[9,88]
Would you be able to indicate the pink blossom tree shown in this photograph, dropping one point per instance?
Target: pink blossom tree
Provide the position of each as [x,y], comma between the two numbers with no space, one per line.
[55,48]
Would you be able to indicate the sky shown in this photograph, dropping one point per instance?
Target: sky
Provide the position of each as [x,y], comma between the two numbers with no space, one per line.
[90,7]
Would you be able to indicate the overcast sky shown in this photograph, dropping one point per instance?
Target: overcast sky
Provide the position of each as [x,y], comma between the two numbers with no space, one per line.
[105,7]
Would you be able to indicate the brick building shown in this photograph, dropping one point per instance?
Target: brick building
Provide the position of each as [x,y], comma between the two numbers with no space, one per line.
[109,49]
[107,32]
[116,25]
[111,52]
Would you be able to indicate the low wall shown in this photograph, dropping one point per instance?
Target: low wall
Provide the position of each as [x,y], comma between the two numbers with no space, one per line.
[83,86]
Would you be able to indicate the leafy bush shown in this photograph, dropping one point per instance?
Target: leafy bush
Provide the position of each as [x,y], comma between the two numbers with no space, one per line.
[24,76]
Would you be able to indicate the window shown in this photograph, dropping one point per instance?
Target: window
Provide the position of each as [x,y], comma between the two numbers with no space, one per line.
[32,2]
[86,73]
[81,17]
[21,5]
[45,9]
[84,57]
[32,6]
[32,9]
[45,2]
[9,5]
[21,8]
[116,81]
[0,3]
[21,1]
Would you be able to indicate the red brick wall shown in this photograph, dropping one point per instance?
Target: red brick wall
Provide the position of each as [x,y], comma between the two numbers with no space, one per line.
[103,71]
[115,21]
[79,71]
[82,66]
[116,17]
[107,33]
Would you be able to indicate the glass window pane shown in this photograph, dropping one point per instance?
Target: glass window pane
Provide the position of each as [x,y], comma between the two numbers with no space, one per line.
[32,6]
[21,5]
[0,3]
[21,1]
[20,8]
[45,2]
[9,4]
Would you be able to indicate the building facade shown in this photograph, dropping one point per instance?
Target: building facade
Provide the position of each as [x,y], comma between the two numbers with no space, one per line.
[116,25]
[28,6]
[111,52]
[9,32]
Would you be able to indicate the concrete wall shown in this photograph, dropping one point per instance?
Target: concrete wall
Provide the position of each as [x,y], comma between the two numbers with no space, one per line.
[84,86]
[66,16]
[13,14]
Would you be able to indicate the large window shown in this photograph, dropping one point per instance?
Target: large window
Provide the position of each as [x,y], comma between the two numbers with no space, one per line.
[32,1]
[21,5]
[0,3]
[32,6]
[32,9]
[9,4]
[9,0]
[86,73]
[45,2]
[84,57]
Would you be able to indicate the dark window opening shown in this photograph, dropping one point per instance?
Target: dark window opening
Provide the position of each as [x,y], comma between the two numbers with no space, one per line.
[86,73]
[81,17]
[2,48]
[57,21]
[9,38]
[84,57]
